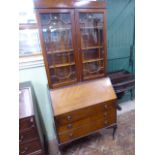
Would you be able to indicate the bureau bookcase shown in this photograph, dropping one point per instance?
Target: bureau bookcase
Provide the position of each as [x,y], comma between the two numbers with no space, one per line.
[73,39]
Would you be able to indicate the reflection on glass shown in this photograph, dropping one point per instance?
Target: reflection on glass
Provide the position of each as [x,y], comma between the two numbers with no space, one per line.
[91,29]
[29,42]
[56,29]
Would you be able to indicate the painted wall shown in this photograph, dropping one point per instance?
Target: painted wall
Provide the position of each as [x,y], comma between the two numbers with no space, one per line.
[120,29]
[120,15]
[39,81]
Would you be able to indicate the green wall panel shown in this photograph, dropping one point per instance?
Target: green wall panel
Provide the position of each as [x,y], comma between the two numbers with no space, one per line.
[120,30]
[118,52]
[39,81]
[121,64]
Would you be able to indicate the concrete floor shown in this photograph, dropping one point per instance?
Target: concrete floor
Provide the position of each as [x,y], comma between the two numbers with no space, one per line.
[126,106]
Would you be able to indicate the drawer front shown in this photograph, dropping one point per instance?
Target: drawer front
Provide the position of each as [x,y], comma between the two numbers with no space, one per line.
[86,129]
[26,123]
[30,147]
[83,113]
[106,115]
[37,153]
[27,135]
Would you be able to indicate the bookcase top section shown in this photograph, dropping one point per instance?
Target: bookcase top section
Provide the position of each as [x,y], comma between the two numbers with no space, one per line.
[41,4]
[82,95]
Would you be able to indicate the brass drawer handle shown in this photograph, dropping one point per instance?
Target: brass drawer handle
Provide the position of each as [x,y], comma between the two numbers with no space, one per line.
[70,134]
[69,117]
[106,122]
[31,120]
[24,151]
[69,126]
[21,138]
[105,106]
[105,114]
[32,126]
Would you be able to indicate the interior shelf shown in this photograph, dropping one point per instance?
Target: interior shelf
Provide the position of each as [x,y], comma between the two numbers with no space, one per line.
[92,60]
[93,76]
[92,47]
[66,52]
[62,65]
[60,51]
[92,27]
[55,85]
[45,28]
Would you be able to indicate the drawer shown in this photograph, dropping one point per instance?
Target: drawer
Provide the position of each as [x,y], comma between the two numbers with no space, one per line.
[83,113]
[26,123]
[27,135]
[30,147]
[106,114]
[86,129]
[37,153]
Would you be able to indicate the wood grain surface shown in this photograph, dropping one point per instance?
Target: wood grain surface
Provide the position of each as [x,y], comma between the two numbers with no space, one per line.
[83,95]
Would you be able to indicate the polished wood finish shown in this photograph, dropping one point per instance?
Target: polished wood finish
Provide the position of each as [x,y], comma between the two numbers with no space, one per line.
[86,128]
[33,146]
[27,135]
[60,51]
[122,81]
[82,113]
[101,113]
[27,122]
[83,108]
[73,39]
[30,133]
[42,4]
[81,95]
[69,65]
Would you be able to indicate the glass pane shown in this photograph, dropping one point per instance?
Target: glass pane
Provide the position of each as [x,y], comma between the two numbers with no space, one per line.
[91,29]
[57,32]
[62,75]
[56,29]
[29,42]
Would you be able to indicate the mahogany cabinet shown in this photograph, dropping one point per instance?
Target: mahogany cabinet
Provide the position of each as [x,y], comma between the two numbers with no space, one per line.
[79,112]
[30,131]
[73,40]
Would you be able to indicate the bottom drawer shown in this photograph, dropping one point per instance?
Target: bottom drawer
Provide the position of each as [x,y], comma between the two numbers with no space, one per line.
[37,153]
[85,129]
[30,147]
[28,135]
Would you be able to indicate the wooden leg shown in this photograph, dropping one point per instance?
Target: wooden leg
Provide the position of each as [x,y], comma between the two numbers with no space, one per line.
[118,107]
[114,131]
[62,147]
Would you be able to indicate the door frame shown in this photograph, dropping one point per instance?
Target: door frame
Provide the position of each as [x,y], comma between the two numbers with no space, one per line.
[79,48]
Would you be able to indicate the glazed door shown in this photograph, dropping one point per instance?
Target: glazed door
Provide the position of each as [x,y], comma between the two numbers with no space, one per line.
[91,31]
[57,29]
